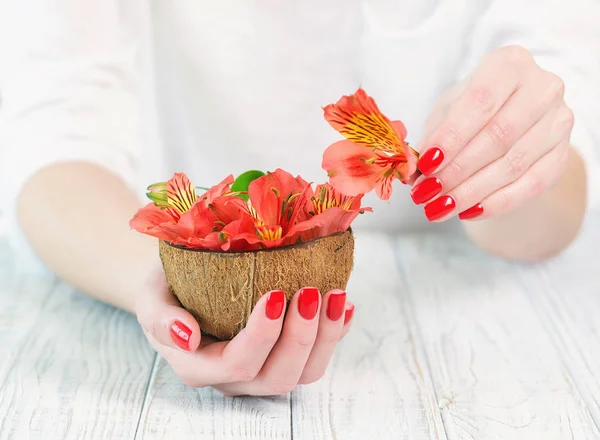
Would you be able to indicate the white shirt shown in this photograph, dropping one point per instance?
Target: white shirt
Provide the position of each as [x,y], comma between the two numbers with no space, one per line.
[147,88]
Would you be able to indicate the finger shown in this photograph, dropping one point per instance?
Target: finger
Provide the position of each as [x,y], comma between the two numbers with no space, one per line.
[541,176]
[520,113]
[331,323]
[348,319]
[538,141]
[248,351]
[494,81]
[286,361]
[163,320]
[240,359]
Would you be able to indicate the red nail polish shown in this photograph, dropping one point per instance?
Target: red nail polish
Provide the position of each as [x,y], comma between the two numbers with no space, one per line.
[472,212]
[336,305]
[439,208]
[180,335]
[308,302]
[426,190]
[275,303]
[349,314]
[430,160]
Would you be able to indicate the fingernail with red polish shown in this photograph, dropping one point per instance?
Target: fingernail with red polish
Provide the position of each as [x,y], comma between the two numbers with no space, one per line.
[275,303]
[180,335]
[349,313]
[439,208]
[336,305]
[472,212]
[430,160]
[308,302]
[426,190]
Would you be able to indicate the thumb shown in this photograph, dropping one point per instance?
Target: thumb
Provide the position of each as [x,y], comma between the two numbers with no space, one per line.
[163,319]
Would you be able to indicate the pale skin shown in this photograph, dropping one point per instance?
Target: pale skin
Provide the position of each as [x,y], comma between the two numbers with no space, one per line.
[534,217]
[505,134]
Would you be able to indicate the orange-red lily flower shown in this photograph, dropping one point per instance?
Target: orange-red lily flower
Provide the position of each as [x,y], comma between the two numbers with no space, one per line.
[333,210]
[281,210]
[375,151]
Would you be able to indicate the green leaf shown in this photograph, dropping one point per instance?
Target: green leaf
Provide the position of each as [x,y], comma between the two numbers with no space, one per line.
[242,182]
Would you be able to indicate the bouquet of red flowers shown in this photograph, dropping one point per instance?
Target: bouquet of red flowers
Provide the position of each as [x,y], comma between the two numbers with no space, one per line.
[242,218]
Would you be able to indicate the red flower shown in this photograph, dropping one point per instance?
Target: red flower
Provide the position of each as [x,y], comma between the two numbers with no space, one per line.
[375,152]
[333,212]
[282,210]
[277,202]
[161,218]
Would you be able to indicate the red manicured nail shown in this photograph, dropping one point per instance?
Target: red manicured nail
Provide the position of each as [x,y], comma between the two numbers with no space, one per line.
[430,160]
[349,314]
[439,208]
[275,303]
[426,190]
[336,305]
[472,212]
[308,302]
[180,335]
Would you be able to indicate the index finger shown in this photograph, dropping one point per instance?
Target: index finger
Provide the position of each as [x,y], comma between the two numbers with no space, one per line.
[494,81]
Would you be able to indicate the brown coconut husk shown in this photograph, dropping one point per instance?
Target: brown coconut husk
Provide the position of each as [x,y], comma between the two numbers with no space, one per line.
[221,289]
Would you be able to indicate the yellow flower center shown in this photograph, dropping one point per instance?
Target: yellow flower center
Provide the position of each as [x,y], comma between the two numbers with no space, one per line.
[269,233]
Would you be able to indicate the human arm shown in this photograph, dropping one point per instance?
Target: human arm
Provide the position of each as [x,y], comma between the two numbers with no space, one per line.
[71,134]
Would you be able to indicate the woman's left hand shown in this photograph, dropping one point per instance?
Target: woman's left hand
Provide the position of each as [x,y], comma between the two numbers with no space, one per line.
[497,143]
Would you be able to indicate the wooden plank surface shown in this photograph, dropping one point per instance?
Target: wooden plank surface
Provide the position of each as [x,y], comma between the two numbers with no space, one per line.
[566,292]
[447,344]
[496,373]
[378,385]
[70,367]
[175,411]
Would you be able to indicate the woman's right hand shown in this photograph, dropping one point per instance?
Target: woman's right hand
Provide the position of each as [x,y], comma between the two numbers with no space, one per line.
[270,356]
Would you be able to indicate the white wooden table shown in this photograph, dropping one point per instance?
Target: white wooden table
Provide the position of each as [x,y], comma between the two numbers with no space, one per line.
[447,344]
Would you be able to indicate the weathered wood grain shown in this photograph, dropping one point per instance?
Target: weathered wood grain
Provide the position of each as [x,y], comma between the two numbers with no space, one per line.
[378,385]
[565,292]
[174,410]
[496,373]
[70,367]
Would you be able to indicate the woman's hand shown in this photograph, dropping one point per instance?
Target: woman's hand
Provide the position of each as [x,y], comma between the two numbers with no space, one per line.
[270,356]
[496,142]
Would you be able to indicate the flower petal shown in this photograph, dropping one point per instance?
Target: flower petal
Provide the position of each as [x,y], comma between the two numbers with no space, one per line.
[358,118]
[350,168]
[154,221]
[217,190]
[269,192]
[181,194]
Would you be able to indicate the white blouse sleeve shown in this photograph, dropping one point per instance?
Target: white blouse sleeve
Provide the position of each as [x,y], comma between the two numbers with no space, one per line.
[68,82]
[564,38]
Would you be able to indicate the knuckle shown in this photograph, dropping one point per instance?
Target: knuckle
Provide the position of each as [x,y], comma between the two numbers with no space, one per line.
[281,388]
[516,163]
[191,381]
[301,341]
[243,374]
[330,339]
[311,377]
[456,168]
[517,55]
[467,191]
[153,330]
[567,118]
[482,98]
[556,85]
[452,136]
[501,135]
[536,186]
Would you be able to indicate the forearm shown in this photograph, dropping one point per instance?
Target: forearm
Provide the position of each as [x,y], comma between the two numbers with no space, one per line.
[544,227]
[75,215]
